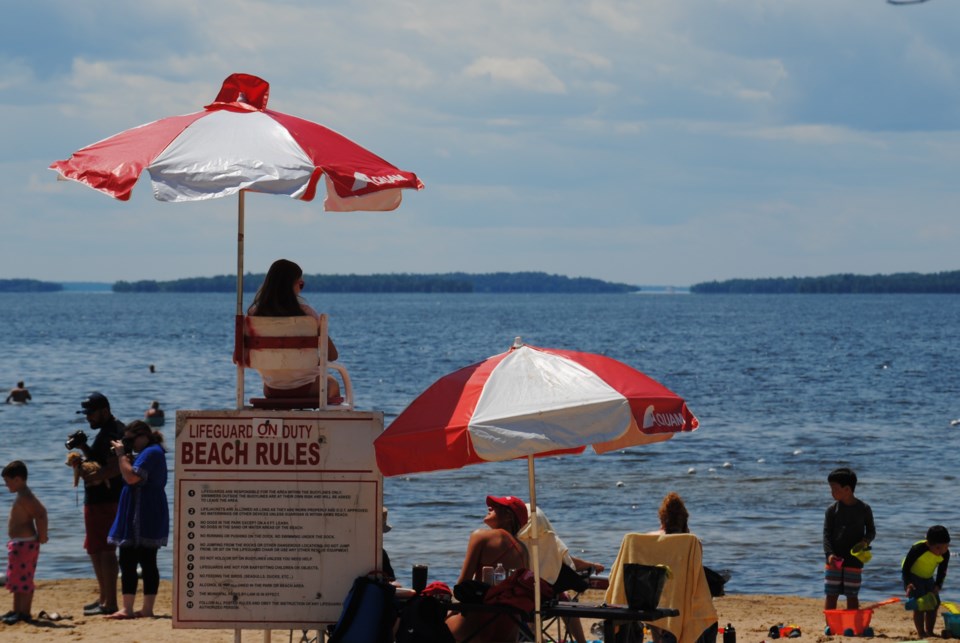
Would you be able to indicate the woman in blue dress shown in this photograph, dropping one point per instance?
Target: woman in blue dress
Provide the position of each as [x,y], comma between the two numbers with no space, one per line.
[143,519]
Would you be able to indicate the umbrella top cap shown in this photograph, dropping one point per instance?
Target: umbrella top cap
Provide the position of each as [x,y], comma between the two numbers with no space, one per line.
[242,92]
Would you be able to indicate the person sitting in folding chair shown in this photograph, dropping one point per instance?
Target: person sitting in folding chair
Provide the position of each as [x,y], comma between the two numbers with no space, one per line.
[559,568]
[487,548]
[279,296]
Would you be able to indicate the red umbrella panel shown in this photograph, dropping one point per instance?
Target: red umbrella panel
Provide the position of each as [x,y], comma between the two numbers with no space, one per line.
[530,401]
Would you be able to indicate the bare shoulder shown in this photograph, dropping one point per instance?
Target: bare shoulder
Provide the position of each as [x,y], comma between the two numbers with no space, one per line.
[31,503]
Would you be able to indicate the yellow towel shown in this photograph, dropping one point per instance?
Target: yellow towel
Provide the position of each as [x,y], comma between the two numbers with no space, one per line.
[686,589]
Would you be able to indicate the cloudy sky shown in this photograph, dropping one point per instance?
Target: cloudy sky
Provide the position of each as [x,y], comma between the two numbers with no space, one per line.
[641,141]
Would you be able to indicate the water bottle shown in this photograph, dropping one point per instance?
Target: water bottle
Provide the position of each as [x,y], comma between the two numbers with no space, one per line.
[729,634]
[499,574]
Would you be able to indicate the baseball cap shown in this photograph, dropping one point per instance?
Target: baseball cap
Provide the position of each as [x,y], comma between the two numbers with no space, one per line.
[512,503]
[94,402]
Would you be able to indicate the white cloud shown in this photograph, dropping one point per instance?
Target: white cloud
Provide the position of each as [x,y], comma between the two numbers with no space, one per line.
[523,73]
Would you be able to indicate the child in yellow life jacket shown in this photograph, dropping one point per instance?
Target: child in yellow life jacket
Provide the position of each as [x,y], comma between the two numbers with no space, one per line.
[926,558]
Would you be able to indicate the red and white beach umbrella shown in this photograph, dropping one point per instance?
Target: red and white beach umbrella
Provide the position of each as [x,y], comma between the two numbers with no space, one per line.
[233,146]
[236,144]
[530,402]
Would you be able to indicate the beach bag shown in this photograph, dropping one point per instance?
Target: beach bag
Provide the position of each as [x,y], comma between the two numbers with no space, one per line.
[715,581]
[517,591]
[423,620]
[642,584]
[471,591]
[368,613]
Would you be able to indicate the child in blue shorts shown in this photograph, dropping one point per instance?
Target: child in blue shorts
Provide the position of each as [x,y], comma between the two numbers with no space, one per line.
[926,558]
[848,523]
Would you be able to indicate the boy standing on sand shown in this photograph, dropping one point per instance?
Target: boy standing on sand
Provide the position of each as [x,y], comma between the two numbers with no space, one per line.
[923,559]
[847,523]
[27,529]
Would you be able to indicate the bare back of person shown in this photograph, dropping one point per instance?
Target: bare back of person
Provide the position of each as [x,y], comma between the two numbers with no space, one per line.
[488,547]
[23,513]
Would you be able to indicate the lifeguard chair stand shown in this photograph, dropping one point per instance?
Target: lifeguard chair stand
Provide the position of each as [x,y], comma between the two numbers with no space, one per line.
[278,502]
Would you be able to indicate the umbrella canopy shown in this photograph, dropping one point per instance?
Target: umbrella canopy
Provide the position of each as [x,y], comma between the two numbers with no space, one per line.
[530,401]
[236,144]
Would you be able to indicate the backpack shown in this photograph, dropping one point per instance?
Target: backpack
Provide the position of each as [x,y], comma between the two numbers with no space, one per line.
[368,613]
[423,620]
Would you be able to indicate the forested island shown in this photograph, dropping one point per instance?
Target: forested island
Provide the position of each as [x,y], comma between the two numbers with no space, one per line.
[899,283]
[28,285]
[452,282]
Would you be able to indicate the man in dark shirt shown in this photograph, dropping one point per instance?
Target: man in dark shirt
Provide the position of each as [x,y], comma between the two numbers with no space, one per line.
[101,492]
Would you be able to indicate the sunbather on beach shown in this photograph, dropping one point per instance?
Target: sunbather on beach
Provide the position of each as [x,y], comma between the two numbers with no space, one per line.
[488,547]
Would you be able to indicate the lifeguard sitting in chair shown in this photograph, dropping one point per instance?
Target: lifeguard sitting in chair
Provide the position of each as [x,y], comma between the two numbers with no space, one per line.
[286,341]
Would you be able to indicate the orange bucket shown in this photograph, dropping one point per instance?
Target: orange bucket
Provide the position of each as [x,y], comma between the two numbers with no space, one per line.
[839,621]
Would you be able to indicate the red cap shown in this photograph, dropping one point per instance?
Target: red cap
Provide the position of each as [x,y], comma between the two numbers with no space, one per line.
[437,590]
[512,503]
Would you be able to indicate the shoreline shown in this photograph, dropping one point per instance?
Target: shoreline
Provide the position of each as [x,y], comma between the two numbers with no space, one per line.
[750,614]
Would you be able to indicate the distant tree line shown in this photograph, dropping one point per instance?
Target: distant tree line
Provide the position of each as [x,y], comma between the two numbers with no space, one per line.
[458,282]
[28,285]
[899,283]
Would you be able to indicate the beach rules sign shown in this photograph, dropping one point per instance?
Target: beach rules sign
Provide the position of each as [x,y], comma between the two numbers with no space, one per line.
[276,513]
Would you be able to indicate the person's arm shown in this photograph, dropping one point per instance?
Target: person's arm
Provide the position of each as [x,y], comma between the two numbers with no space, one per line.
[579,564]
[126,464]
[7,401]
[870,530]
[39,514]
[942,571]
[472,558]
[827,532]
[332,353]
[908,562]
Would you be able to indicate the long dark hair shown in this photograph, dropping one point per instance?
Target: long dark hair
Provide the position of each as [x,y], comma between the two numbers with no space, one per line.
[275,297]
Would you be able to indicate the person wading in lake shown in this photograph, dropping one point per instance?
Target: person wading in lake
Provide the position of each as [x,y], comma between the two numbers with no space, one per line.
[20,394]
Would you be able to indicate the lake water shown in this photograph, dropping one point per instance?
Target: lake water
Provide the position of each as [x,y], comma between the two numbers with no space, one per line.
[786,388]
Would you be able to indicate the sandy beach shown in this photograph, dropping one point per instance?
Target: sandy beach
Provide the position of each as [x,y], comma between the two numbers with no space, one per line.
[751,615]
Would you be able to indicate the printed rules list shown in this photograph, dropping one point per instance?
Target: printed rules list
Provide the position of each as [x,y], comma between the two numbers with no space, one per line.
[275,516]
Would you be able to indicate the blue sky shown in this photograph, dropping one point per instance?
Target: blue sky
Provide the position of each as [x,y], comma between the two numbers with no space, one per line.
[647,142]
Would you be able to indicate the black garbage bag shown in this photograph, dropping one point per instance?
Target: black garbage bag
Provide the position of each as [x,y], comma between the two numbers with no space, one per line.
[643,584]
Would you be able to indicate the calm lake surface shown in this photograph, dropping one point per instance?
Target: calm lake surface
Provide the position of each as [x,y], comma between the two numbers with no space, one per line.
[786,389]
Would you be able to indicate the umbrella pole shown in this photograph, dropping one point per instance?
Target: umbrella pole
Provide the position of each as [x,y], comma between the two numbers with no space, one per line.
[537,617]
[239,313]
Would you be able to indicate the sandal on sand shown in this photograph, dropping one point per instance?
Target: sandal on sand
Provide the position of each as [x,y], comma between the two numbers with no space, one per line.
[52,616]
[16,617]
[140,614]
